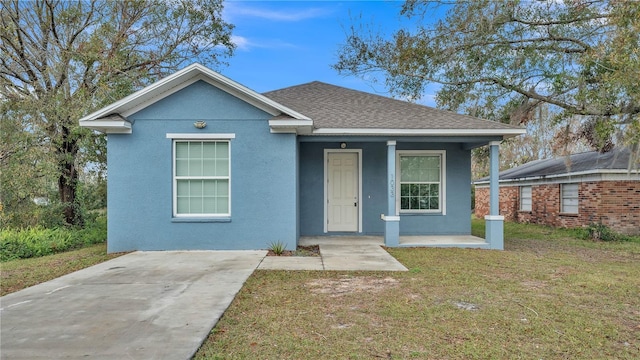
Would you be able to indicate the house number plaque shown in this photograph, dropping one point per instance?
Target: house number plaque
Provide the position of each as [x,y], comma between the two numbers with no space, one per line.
[392,185]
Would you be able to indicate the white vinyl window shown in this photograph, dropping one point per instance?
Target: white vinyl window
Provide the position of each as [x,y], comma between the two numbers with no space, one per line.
[525,198]
[421,181]
[569,198]
[201,178]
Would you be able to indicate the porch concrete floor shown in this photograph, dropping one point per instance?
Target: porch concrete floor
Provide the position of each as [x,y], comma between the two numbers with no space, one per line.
[339,255]
[405,241]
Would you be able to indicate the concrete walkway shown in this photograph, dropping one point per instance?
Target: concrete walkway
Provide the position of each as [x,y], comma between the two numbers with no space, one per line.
[144,305]
[338,256]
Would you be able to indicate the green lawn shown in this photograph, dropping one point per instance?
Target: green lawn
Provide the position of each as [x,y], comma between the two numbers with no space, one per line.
[19,274]
[550,295]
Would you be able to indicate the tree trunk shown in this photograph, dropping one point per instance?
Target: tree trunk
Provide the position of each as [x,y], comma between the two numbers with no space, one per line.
[68,180]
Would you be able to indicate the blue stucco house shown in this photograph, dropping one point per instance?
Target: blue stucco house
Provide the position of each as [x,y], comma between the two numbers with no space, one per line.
[197,161]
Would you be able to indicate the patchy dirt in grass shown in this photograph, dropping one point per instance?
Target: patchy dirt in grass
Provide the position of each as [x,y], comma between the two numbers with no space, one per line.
[562,272]
[311,250]
[534,284]
[592,253]
[350,285]
[463,305]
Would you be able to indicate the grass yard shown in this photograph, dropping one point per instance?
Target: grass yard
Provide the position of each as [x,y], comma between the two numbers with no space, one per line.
[550,295]
[19,274]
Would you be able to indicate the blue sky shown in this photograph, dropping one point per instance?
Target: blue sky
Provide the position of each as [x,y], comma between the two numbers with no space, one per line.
[285,43]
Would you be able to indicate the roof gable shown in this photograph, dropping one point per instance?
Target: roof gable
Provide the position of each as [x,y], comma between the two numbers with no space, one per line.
[113,118]
[200,100]
[335,109]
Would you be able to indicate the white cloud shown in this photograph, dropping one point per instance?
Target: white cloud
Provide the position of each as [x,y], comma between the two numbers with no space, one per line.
[241,42]
[245,44]
[287,15]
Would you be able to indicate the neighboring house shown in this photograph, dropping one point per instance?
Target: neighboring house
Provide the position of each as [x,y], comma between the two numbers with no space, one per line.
[198,161]
[573,191]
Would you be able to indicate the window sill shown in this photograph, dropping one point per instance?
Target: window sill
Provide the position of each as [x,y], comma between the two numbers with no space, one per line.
[201,220]
[439,213]
[569,214]
[524,211]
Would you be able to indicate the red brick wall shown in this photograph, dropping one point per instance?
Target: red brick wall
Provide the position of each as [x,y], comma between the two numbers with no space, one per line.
[620,205]
[482,202]
[509,202]
[615,204]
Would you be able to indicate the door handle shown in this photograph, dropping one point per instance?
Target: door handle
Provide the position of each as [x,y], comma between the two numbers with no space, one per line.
[355,204]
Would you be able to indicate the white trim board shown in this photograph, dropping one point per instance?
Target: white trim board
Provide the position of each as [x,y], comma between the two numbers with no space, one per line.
[200,136]
[184,78]
[177,81]
[507,133]
[110,126]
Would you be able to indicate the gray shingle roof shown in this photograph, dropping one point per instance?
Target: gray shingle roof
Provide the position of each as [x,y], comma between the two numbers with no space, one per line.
[331,106]
[616,159]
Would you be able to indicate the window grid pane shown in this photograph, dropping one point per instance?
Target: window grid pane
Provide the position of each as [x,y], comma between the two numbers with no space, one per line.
[525,198]
[202,177]
[569,198]
[420,182]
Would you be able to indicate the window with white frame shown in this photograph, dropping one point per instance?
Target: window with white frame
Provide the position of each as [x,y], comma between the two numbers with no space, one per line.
[525,198]
[569,198]
[421,181]
[201,178]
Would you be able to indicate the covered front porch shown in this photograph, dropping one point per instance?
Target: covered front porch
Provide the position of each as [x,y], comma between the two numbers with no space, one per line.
[461,241]
[374,196]
[494,233]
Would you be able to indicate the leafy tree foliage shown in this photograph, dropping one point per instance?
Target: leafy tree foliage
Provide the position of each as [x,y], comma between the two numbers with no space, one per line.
[63,59]
[543,140]
[502,60]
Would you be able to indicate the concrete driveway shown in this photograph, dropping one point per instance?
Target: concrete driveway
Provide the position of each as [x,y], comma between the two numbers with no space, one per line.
[144,305]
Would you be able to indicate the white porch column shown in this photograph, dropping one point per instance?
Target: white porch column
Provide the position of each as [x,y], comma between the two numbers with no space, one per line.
[391,220]
[494,222]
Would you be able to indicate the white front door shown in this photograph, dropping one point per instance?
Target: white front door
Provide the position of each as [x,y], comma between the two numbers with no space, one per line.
[342,191]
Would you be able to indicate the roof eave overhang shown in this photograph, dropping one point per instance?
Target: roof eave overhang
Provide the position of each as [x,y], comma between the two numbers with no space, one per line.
[112,124]
[630,172]
[505,133]
[298,126]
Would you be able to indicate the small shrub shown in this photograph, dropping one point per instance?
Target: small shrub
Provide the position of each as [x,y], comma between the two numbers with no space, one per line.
[277,247]
[311,250]
[601,232]
[94,233]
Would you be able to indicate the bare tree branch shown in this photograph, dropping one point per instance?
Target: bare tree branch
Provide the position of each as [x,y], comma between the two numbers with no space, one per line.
[61,60]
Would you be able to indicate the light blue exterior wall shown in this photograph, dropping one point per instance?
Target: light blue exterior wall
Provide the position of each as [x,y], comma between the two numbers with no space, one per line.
[277,180]
[373,200]
[457,220]
[263,177]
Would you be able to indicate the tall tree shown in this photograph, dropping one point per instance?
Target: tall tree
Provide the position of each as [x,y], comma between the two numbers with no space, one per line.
[543,140]
[504,59]
[62,59]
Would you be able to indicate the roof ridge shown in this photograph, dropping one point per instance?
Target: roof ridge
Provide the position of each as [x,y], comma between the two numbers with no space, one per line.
[616,159]
[293,86]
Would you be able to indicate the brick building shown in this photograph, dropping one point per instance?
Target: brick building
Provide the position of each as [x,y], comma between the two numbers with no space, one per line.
[573,191]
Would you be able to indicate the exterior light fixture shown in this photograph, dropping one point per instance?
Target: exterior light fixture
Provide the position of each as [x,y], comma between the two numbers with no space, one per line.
[343,145]
[200,124]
